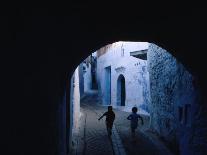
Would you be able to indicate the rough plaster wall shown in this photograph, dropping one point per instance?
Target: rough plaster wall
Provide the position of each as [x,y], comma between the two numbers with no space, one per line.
[171,86]
[134,70]
[163,77]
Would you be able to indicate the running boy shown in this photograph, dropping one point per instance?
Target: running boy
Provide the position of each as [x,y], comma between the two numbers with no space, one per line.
[110,117]
[134,121]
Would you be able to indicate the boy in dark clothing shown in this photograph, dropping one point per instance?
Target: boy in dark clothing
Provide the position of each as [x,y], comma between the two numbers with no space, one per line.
[134,121]
[110,117]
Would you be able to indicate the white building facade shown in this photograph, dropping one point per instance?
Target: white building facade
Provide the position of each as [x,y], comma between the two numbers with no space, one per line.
[87,77]
[123,80]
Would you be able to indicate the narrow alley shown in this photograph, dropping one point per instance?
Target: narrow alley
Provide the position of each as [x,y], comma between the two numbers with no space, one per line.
[141,75]
[91,137]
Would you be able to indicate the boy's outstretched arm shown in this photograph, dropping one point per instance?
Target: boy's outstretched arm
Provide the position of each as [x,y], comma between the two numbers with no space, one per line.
[129,117]
[102,116]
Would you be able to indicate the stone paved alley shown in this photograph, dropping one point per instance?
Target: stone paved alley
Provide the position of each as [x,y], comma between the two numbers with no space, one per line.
[92,139]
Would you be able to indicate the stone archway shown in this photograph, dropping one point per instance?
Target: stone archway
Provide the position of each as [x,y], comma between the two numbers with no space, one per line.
[121,91]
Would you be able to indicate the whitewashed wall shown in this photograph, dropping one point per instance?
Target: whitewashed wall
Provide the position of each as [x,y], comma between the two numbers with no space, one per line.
[118,57]
[75,100]
[87,78]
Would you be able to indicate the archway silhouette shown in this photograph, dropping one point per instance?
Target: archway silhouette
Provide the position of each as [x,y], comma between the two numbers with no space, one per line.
[41,47]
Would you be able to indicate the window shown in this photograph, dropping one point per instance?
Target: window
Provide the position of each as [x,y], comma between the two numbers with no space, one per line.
[187,114]
[180,114]
[184,114]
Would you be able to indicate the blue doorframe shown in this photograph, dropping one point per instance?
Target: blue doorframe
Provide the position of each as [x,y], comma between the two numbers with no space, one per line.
[107,92]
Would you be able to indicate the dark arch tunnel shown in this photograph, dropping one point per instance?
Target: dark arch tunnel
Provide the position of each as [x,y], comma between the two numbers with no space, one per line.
[47,48]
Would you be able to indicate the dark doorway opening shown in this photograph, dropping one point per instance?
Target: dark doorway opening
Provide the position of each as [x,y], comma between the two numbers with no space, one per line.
[93,73]
[121,91]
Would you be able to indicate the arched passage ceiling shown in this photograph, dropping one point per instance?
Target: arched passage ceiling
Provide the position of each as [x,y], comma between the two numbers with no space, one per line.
[60,38]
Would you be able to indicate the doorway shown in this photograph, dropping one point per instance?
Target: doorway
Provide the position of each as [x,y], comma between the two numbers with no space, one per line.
[121,91]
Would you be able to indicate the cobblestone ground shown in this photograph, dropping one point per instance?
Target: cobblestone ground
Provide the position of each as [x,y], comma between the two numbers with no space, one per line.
[92,138]
[146,143]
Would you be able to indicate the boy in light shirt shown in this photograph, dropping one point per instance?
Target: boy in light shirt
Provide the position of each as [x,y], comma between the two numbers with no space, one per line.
[134,121]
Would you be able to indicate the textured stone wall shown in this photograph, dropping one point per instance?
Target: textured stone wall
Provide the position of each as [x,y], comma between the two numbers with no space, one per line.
[163,78]
[174,101]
